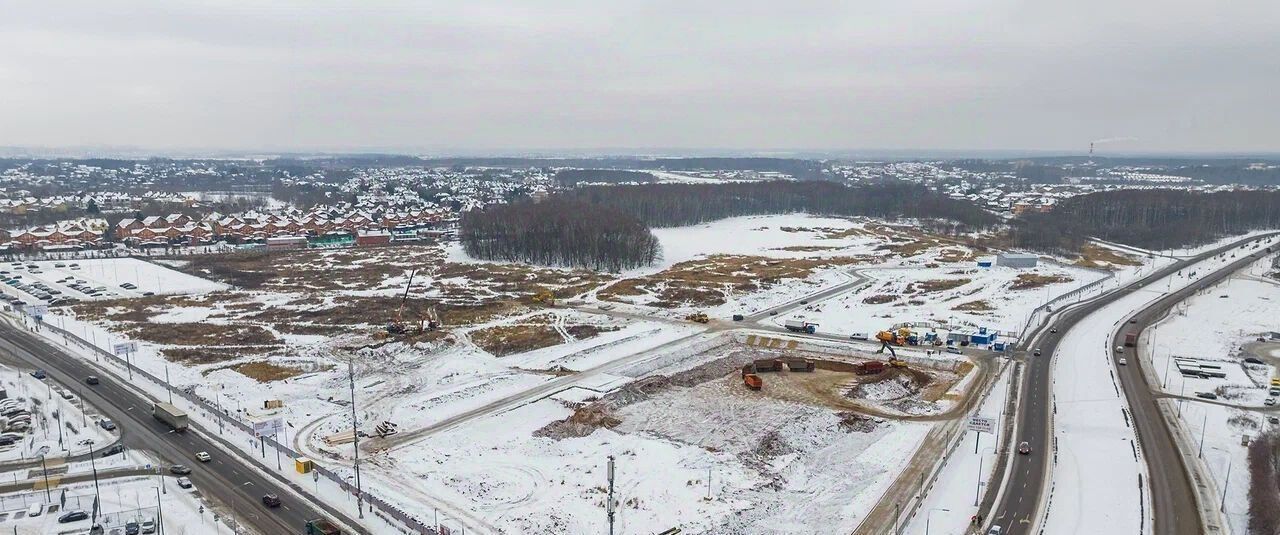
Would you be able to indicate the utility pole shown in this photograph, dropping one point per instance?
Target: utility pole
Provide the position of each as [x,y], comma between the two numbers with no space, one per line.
[167,387]
[45,469]
[610,502]
[355,434]
[160,514]
[1223,507]
[97,496]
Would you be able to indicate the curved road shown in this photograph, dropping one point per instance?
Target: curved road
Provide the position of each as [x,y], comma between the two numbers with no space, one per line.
[1021,494]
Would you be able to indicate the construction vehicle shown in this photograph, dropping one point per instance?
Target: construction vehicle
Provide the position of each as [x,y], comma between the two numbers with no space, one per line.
[896,362]
[801,326]
[799,365]
[870,367]
[887,341]
[321,526]
[545,297]
[397,326]
[175,417]
[698,317]
[752,381]
[1130,339]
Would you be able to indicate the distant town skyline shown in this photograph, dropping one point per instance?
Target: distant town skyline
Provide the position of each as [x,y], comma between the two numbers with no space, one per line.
[490,77]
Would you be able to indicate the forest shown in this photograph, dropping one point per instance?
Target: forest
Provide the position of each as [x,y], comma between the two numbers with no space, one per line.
[1153,218]
[559,232]
[671,205]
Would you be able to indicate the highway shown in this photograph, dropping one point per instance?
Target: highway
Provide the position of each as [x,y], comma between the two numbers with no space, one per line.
[228,480]
[1172,491]
[1019,502]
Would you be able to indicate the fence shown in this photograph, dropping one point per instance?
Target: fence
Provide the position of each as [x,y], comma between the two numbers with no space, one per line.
[378,506]
[1040,313]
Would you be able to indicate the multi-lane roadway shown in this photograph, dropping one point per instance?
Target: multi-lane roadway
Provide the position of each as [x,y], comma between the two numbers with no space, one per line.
[228,479]
[1020,499]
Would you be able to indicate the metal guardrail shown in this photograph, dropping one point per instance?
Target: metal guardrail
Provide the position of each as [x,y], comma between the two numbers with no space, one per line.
[412,525]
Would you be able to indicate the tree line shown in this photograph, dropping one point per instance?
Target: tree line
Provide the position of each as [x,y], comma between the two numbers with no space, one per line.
[559,232]
[1152,218]
[670,205]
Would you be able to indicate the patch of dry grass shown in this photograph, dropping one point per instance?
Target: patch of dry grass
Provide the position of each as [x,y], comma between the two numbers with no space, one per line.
[201,334]
[1027,281]
[1093,256]
[266,372]
[940,285]
[503,340]
[974,306]
[879,299]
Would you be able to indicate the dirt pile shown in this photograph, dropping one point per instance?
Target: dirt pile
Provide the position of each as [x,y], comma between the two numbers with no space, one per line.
[581,423]
[853,422]
[890,385]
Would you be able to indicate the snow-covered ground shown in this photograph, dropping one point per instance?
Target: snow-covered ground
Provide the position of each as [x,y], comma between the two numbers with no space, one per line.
[953,499]
[52,410]
[1095,479]
[974,297]
[774,236]
[126,499]
[1213,327]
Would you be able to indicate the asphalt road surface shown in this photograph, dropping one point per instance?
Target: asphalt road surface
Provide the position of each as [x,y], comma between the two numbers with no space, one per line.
[1020,502]
[1172,491]
[229,480]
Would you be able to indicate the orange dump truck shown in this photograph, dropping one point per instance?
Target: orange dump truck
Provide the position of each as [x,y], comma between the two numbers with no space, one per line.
[752,381]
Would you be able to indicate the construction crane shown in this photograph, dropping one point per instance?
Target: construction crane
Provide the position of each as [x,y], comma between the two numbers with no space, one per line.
[397,325]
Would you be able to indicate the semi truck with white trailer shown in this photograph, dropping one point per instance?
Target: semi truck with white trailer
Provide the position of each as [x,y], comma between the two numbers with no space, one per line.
[167,413]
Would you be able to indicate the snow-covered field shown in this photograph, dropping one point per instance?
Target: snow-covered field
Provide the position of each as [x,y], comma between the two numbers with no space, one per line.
[1214,327]
[129,499]
[972,297]
[467,416]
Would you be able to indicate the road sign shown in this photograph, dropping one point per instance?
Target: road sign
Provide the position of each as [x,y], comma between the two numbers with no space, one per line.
[124,347]
[269,427]
[982,424]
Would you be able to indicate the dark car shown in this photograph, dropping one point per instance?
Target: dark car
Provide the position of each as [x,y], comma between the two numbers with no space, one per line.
[107,424]
[271,500]
[131,528]
[1037,352]
[91,380]
[180,469]
[1024,448]
[72,516]
[1206,395]
[738,317]
[39,374]
[114,449]
[1253,360]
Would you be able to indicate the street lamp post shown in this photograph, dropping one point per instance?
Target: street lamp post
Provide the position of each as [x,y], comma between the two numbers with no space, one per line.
[928,516]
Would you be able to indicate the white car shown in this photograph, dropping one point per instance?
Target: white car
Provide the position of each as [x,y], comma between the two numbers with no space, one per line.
[203,457]
[185,483]
[1119,349]
[1121,362]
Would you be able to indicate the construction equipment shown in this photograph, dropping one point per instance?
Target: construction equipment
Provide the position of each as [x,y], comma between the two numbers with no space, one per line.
[752,381]
[698,317]
[896,362]
[887,341]
[545,297]
[870,367]
[396,326]
[321,526]
[799,365]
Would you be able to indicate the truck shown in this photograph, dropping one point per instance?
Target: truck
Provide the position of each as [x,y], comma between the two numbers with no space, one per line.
[801,326]
[167,413]
[321,526]
[1130,339]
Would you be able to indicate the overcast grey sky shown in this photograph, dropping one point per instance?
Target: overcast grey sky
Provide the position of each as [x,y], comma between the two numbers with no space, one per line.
[435,75]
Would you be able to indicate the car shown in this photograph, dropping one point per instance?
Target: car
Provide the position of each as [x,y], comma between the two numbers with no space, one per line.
[858,336]
[1054,330]
[738,317]
[107,424]
[773,312]
[1206,395]
[1133,320]
[1253,360]
[1119,349]
[72,516]
[59,265]
[1122,361]
[148,294]
[995,530]
[953,349]
[67,395]
[1036,352]
[131,528]
[91,380]
[203,457]
[1270,402]
[1024,448]
[39,374]
[804,301]
[114,449]
[1274,419]
[149,526]
[180,469]
[36,510]
[184,483]
[270,500]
